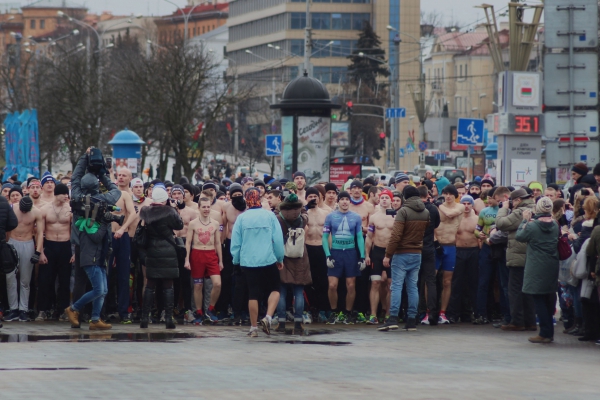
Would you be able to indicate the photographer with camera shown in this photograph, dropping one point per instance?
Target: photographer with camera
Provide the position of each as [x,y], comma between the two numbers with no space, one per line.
[8,222]
[90,231]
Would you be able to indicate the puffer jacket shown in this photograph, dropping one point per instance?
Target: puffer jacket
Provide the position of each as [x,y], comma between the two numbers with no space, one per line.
[409,228]
[541,267]
[434,222]
[8,219]
[160,256]
[509,222]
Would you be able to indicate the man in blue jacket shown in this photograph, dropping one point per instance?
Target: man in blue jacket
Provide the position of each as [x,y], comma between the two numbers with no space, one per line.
[257,247]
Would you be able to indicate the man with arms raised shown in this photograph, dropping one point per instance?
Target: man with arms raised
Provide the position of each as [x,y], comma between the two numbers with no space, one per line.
[204,258]
[30,219]
[380,230]
[464,279]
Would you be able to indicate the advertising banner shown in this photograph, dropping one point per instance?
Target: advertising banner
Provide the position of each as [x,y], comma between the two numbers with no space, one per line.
[340,134]
[287,138]
[339,173]
[314,138]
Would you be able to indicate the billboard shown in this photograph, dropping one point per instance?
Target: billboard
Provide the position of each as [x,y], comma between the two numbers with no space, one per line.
[314,138]
[340,134]
[339,173]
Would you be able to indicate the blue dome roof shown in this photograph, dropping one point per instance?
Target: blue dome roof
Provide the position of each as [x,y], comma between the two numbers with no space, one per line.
[126,137]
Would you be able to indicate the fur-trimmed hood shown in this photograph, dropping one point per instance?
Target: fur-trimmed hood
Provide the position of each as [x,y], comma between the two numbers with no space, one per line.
[156,212]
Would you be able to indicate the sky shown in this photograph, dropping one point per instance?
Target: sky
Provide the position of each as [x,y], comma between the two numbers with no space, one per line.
[462,11]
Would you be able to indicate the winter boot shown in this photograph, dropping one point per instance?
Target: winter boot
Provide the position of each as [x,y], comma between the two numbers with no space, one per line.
[147,306]
[169,302]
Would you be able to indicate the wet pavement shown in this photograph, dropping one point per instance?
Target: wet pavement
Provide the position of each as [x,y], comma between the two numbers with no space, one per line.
[51,360]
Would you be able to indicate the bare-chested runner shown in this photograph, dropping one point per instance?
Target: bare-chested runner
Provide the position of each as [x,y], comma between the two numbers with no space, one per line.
[359,205]
[331,193]
[48,185]
[35,192]
[380,231]
[451,215]
[205,258]
[57,218]
[30,219]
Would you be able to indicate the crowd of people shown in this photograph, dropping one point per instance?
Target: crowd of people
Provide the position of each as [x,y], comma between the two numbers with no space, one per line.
[276,251]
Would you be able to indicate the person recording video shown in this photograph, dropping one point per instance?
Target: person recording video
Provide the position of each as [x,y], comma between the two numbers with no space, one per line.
[92,219]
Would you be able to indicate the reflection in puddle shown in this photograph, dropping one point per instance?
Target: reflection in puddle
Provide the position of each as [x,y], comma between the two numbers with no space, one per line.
[311,342]
[114,337]
[44,369]
[308,332]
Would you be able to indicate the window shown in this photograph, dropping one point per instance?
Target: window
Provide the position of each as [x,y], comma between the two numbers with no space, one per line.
[321,20]
[299,20]
[361,1]
[459,105]
[42,24]
[203,29]
[321,1]
[341,48]
[194,31]
[339,74]
[321,48]
[341,21]
[461,71]
[32,24]
[297,47]
[466,73]
[323,74]
[340,1]
[358,19]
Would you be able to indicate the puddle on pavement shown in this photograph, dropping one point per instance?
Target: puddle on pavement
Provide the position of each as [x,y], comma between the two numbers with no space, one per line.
[311,342]
[309,332]
[44,369]
[113,337]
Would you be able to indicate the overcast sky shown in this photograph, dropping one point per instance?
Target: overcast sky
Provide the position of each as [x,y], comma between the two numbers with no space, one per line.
[462,11]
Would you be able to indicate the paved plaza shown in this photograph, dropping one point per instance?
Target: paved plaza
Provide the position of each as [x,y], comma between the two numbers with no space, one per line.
[51,361]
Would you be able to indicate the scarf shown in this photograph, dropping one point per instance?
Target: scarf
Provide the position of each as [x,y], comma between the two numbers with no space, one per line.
[82,224]
[356,203]
[140,200]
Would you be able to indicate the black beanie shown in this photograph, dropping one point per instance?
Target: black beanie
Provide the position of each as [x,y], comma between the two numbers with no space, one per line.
[451,189]
[369,181]
[26,204]
[331,187]
[235,187]
[343,194]
[410,191]
[15,189]
[61,188]
[258,182]
[311,190]
[428,183]
[189,188]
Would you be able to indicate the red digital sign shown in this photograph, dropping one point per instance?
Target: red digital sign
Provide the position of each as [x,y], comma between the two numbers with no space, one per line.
[527,124]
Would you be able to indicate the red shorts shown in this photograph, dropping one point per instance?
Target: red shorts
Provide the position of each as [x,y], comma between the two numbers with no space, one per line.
[204,263]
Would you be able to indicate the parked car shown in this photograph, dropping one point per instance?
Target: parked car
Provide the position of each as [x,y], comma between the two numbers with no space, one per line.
[453,174]
[368,171]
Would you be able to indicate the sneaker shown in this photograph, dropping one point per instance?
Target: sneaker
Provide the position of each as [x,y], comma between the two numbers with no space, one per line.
[212,317]
[372,320]
[275,322]
[390,325]
[425,320]
[306,318]
[63,318]
[342,318]
[360,318]
[1,315]
[162,316]
[99,325]
[411,324]
[289,317]
[223,317]
[554,320]
[322,317]
[12,316]
[188,317]
[41,316]
[265,323]
[126,320]
[481,321]
[253,332]
[333,318]
[442,319]
[23,317]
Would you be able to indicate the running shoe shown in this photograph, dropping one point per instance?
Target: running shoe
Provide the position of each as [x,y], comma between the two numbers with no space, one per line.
[253,332]
[330,321]
[425,320]
[342,318]
[63,318]
[350,319]
[162,316]
[265,323]
[386,319]
[212,317]
[289,317]
[372,320]
[126,320]
[23,317]
[275,322]
[1,315]
[481,321]
[442,319]
[411,324]
[322,317]
[390,325]
[188,317]
[41,316]
[306,318]
[360,318]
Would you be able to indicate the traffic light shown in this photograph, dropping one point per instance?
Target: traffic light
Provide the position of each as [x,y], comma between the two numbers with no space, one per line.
[334,117]
[382,140]
[349,108]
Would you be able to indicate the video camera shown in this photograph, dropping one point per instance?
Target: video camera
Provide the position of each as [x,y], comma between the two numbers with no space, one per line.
[95,209]
[96,163]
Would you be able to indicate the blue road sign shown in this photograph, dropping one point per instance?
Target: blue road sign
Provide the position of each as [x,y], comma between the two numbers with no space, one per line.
[401,152]
[440,156]
[399,112]
[422,146]
[470,131]
[273,145]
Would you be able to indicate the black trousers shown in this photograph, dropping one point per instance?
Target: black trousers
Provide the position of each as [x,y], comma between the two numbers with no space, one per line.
[463,297]
[183,287]
[226,296]
[428,280]
[591,316]
[59,255]
[522,308]
[317,291]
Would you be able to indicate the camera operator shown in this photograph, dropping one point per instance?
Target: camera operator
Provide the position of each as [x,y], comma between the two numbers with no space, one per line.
[92,238]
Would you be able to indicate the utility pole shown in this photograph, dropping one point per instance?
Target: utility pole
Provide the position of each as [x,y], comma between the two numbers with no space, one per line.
[307,42]
[236,121]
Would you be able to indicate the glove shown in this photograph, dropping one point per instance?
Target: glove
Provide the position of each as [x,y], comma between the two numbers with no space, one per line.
[35,258]
[361,264]
[330,262]
[311,204]
[439,250]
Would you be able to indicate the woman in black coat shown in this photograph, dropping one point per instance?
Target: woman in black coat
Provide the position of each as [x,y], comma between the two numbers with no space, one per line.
[159,255]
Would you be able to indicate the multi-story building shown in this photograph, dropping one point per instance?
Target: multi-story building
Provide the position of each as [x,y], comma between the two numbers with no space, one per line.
[266,42]
[201,18]
[141,28]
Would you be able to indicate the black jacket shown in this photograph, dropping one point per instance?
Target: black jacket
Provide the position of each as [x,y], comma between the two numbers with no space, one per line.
[159,256]
[8,219]
[434,222]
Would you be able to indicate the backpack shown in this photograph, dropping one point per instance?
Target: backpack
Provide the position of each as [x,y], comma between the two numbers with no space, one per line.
[9,257]
[294,244]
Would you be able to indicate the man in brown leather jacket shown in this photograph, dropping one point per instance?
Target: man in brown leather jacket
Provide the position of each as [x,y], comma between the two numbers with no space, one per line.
[405,247]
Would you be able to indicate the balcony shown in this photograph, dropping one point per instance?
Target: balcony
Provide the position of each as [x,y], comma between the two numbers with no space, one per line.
[437,86]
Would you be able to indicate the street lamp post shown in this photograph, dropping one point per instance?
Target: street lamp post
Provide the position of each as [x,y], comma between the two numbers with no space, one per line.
[186,18]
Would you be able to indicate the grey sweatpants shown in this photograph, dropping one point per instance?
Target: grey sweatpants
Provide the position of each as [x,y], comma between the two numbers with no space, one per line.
[16,300]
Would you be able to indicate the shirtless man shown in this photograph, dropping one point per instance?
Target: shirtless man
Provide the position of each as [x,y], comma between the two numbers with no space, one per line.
[451,215]
[359,205]
[121,244]
[6,190]
[217,205]
[30,219]
[204,258]
[57,219]
[300,181]
[464,279]
[374,197]
[48,185]
[231,210]
[35,192]
[401,181]
[317,291]
[15,195]
[331,193]
[380,231]
[322,195]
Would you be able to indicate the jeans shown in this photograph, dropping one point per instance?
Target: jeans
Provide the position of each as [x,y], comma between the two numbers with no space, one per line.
[97,276]
[544,308]
[405,267]
[298,291]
